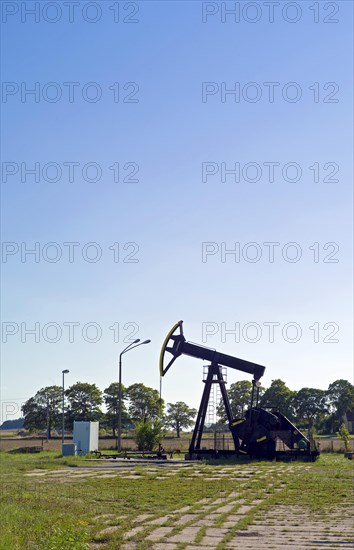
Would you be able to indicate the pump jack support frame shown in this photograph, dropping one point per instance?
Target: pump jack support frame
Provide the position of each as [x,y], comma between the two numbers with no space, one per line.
[214,377]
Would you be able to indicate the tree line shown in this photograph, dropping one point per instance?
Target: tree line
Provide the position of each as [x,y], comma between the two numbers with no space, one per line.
[311,408]
[83,401]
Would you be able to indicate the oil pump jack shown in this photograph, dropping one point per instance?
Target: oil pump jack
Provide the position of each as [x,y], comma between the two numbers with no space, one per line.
[260,434]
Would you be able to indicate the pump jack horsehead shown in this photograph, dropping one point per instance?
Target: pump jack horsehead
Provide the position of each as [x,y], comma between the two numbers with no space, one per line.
[260,434]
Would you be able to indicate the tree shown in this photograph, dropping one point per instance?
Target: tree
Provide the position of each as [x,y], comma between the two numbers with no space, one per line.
[279,397]
[310,405]
[179,416]
[111,399]
[341,400]
[84,401]
[43,411]
[239,395]
[344,435]
[144,403]
[148,434]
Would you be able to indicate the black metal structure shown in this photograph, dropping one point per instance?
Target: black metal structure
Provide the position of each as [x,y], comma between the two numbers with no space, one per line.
[261,434]
[179,345]
[214,377]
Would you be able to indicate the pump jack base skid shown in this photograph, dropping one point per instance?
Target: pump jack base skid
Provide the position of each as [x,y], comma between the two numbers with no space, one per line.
[209,454]
[280,456]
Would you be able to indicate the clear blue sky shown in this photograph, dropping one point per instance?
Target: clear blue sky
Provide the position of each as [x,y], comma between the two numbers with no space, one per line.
[167,135]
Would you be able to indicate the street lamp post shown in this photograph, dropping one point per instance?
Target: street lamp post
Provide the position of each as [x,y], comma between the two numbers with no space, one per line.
[131,346]
[64,372]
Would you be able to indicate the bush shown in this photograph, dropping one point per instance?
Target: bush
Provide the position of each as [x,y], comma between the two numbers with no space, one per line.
[148,435]
[344,435]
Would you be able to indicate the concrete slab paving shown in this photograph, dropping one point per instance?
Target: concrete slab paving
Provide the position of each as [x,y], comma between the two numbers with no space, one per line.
[210,542]
[186,518]
[133,532]
[159,533]
[216,531]
[279,527]
[142,517]
[187,535]
[226,508]
[202,522]
[181,510]
[165,546]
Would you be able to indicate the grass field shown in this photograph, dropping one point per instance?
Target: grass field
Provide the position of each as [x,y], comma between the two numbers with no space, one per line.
[51,503]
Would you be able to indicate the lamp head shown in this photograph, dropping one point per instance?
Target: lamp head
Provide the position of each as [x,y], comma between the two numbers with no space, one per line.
[146,342]
[65,371]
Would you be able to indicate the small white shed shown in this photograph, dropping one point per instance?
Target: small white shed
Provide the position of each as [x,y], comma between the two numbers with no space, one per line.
[85,436]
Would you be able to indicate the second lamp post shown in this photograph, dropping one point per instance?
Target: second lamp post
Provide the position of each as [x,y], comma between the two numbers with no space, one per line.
[62,407]
[131,346]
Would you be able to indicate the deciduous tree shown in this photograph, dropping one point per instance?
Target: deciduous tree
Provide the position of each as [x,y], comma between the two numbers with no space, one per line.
[43,411]
[341,400]
[179,416]
[84,402]
[310,405]
[144,403]
[111,399]
[279,397]
[239,395]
